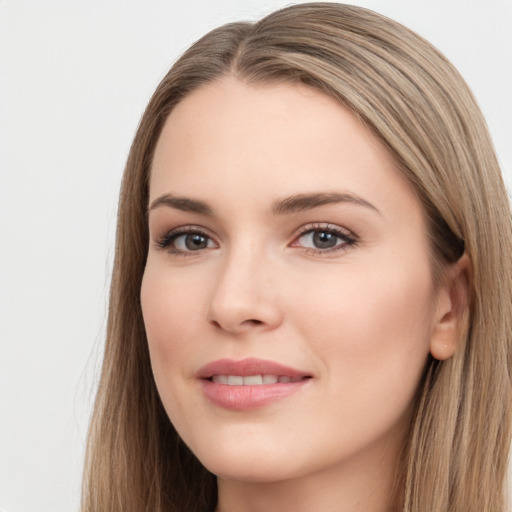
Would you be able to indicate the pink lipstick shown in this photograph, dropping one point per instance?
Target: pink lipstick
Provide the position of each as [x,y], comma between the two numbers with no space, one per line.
[250,383]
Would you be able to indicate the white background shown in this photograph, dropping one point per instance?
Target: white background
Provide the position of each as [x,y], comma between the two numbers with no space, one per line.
[74,79]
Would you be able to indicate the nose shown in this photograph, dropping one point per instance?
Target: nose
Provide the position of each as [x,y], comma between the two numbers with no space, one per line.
[245,297]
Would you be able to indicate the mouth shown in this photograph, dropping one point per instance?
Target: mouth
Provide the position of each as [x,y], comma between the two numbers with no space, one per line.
[254,380]
[250,372]
[250,383]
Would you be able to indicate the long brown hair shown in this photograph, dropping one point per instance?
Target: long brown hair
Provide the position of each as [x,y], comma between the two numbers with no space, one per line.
[420,108]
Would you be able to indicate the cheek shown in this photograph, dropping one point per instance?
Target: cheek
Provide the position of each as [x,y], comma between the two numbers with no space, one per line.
[169,309]
[374,324]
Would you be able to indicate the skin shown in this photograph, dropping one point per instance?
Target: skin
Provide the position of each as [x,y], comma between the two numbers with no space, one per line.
[360,320]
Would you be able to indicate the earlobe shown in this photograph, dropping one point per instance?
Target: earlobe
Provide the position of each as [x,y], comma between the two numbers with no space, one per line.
[451,315]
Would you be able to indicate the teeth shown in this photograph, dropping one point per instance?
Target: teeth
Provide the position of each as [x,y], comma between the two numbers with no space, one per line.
[253,380]
[235,380]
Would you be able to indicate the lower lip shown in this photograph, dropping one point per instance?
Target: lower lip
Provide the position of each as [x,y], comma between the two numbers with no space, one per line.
[246,398]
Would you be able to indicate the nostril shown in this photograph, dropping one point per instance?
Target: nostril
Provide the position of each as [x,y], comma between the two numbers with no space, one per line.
[241,326]
[244,324]
[253,322]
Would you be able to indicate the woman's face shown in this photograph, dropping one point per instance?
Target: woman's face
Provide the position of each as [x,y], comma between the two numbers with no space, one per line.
[287,297]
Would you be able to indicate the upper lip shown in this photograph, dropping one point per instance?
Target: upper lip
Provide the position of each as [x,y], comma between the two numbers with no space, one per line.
[247,367]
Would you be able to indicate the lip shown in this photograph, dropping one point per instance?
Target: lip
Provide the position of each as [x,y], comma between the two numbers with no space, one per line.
[249,397]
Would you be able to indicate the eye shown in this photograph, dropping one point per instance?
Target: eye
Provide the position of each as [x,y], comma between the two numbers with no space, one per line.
[192,242]
[324,239]
[186,240]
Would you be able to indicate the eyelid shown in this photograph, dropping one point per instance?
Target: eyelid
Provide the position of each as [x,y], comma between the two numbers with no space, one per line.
[163,242]
[350,238]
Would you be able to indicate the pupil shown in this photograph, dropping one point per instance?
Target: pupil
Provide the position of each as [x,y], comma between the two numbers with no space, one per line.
[324,239]
[195,242]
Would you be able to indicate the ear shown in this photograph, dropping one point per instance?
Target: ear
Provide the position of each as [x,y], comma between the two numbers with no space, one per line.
[451,310]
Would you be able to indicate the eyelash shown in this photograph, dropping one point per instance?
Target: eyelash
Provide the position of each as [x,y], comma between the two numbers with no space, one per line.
[347,238]
[171,236]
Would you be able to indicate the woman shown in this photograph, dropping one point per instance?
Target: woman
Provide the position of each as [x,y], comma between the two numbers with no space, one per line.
[310,306]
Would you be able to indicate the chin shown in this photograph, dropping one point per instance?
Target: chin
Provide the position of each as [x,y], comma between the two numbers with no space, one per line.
[248,462]
[252,471]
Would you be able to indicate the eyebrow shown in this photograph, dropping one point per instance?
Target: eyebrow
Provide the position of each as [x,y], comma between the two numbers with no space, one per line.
[301,202]
[181,203]
[291,204]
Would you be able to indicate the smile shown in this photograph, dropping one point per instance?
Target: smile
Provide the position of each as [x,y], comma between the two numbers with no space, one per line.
[249,384]
[253,380]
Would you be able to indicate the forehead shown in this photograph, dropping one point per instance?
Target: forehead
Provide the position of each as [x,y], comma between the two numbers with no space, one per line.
[266,141]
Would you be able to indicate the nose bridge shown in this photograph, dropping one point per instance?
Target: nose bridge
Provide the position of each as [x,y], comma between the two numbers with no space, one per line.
[243,296]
